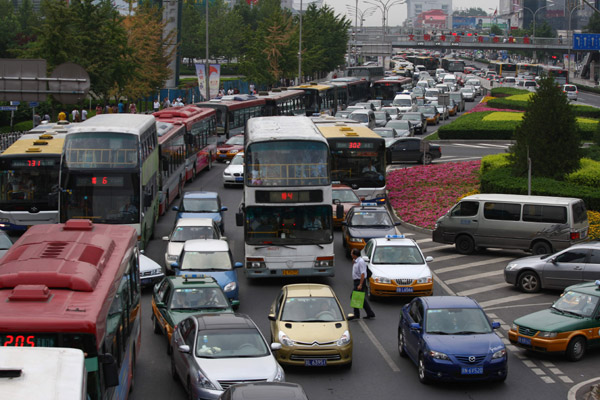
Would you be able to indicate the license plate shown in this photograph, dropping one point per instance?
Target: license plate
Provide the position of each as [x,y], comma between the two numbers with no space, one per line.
[239,179]
[222,155]
[524,340]
[471,370]
[318,362]
[404,289]
[146,280]
[290,272]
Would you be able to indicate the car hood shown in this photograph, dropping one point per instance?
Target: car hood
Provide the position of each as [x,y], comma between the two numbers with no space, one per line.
[551,321]
[239,369]
[400,271]
[215,216]
[228,146]
[311,332]
[222,277]
[234,169]
[146,263]
[179,315]
[464,344]
[369,233]
[175,248]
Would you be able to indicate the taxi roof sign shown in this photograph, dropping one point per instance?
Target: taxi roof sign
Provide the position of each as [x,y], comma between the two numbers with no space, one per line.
[388,237]
[369,204]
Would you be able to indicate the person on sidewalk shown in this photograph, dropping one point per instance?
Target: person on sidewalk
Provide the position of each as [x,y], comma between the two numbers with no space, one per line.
[359,277]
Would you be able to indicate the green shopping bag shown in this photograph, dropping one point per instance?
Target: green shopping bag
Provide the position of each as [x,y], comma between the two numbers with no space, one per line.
[358,299]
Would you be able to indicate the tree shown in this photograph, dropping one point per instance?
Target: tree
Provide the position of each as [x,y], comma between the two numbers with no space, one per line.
[470,12]
[550,132]
[593,25]
[191,35]
[496,30]
[8,28]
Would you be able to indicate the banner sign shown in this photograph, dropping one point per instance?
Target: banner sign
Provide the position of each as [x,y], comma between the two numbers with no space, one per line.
[214,79]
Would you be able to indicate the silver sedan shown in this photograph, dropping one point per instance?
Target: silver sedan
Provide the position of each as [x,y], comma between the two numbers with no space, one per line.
[575,264]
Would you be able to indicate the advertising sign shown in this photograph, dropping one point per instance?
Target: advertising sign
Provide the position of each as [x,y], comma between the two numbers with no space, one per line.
[214,79]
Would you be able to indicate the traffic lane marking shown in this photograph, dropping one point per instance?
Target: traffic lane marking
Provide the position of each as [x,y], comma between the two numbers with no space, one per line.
[470,265]
[379,346]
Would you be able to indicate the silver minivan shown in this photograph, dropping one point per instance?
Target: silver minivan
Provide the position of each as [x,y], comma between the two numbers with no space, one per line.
[540,224]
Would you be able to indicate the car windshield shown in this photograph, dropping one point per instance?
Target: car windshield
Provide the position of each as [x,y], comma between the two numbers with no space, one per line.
[231,343]
[380,115]
[400,124]
[456,321]
[576,303]
[238,160]
[200,205]
[397,255]
[368,218]
[427,109]
[237,140]
[311,309]
[183,233]
[411,117]
[345,196]
[5,242]
[206,261]
[402,102]
[198,299]
[360,117]
[385,133]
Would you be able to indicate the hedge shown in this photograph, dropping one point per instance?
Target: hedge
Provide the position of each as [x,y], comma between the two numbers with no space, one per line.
[587,175]
[472,126]
[507,91]
[493,161]
[511,103]
[500,180]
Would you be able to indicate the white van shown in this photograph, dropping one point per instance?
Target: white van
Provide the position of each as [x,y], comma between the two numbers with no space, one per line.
[403,102]
[450,79]
[540,224]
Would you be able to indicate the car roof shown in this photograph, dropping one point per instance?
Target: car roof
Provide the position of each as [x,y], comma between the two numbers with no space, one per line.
[206,245]
[591,288]
[369,208]
[194,222]
[267,391]
[201,195]
[224,321]
[308,290]
[449,302]
[394,241]
[339,186]
[192,280]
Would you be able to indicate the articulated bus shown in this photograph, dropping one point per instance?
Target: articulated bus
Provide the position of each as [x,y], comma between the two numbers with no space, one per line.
[76,285]
[318,97]
[233,111]
[453,65]
[386,89]
[283,102]
[505,69]
[560,75]
[357,158]
[29,171]
[109,172]
[370,73]
[286,208]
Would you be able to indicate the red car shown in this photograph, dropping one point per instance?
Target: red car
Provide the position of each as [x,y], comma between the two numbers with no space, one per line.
[228,150]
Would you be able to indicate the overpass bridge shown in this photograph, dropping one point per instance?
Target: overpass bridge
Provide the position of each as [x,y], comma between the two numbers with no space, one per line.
[372,44]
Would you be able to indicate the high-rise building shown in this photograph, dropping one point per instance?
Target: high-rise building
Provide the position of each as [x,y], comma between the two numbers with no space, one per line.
[416,7]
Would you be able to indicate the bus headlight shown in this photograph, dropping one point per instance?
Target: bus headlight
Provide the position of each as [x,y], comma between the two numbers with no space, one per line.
[324,262]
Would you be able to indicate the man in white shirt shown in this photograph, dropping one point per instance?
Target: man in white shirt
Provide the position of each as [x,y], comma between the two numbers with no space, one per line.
[359,278]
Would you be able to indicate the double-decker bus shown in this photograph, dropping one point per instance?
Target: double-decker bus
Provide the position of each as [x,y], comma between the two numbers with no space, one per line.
[286,208]
[453,65]
[529,69]
[318,97]
[357,159]
[560,75]
[283,102]
[76,285]
[505,69]
[109,172]
[386,89]
[29,171]
[233,111]
[370,73]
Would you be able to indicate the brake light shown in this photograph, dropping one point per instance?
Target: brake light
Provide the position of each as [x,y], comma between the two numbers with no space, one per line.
[575,236]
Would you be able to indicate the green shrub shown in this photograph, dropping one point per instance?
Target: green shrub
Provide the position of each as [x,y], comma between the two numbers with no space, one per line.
[507,103]
[508,91]
[587,175]
[472,126]
[493,161]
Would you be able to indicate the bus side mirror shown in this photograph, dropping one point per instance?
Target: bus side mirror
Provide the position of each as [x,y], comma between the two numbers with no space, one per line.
[239,219]
[109,368]
[339,211]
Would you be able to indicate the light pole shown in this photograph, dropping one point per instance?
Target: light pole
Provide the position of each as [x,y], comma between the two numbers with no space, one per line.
[207,67]
[384,6]
[570,39]
[537,11]
[300,48]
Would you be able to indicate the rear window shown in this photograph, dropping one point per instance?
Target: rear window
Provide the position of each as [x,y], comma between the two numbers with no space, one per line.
[543,213]
[579,212]
[502,211]
[530,83]
[570,89]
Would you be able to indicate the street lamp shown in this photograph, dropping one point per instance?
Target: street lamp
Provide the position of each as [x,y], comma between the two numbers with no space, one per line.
[535,13]
[384,7]
[570,38]
[362,14]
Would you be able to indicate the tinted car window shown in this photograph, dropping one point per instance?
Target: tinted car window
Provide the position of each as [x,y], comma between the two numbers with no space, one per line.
[502,211]
[572,256]
[595,257]
[465,209]
[550,214]
[579,212]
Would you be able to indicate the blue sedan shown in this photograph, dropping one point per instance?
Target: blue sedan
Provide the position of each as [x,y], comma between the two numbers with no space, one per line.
[450,338]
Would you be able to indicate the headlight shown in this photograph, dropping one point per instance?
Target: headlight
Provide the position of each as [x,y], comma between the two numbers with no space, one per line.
[226,173]
[204,382]
[547,334]
[499,354]
[231,286]
[514,327]
[438,355]
[280,375]
[511,266]
[233,151]
[345,339]
[426,279]
[356,240]
[381,279]
[172,257]
[285,340]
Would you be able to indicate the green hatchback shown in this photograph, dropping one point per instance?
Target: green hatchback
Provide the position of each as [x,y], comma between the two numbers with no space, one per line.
[570,326]
[177,297]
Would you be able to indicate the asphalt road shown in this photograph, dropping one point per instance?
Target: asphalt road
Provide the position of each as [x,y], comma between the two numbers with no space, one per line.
[378,371]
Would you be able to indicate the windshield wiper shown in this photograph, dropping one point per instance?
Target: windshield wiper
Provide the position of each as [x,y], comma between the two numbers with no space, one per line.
[438,333]
[467,333]
[558,309]
[572,313]
[276,244]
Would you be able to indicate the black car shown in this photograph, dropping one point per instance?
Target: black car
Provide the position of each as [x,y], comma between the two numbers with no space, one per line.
[418,119]
[264,390]
[365,222]
[411,149]
[403,128]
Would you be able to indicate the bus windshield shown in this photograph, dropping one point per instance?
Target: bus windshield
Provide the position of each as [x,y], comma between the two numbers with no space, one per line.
[358,162]
[287,163]
[289,224]
[101,150]
[26,187]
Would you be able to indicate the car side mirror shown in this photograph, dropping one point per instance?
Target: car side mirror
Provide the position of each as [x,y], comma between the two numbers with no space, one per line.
[165,238]
[184,348]
[235,303]
[350,316]
[415,326]
[495,325]
[239,219]
[397,223]
[175,208]
[275,346]
[223,238]
[238,265]
[271,317]
[428,259]
[365,258]
[175,265]
[224,208]
[160,304]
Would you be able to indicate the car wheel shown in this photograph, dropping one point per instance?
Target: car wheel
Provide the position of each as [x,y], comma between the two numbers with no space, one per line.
[576,348]
[421,368]
[426,159]
[540,248]
[401,343]
[156,325]
[465,244]
[529,282]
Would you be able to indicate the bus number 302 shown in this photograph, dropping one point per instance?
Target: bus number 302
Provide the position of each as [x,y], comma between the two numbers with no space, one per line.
[19,341]
[354,145]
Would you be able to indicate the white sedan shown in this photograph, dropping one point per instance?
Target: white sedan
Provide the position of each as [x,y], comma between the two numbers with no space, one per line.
[188,229]
[234,173]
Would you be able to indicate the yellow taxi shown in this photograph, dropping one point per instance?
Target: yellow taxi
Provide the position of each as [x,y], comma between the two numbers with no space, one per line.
[308,321]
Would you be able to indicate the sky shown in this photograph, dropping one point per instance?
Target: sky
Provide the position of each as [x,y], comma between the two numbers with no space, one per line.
[397,13]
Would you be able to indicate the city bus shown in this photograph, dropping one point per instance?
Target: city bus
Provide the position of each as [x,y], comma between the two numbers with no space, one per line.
[172,153]
[358,89]
[505,69]
[76,285]
[453,65]
[233,111]
[370,73]
[109,172]
[286,208]
[560,75]
[318,97]
[431,63]
[529,69]
[283,102]
[59,373]
[29,170]
[386,89]
[357,159]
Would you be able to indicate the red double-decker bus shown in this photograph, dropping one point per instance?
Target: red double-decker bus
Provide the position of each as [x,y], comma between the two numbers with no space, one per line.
[233,111]
[187,139]
[76,285]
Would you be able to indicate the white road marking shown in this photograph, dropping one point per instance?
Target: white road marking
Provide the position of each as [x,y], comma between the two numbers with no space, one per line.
[508,299]
[445,246]
[529,363]
[556,371]
[471,265]
[471,146]
[538,371]
[515,350]
[547,364]
[565,379]
[448,257]
[547,379]
[482,289]
[473,277]
[572,395]
[379,347]
[424,240]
